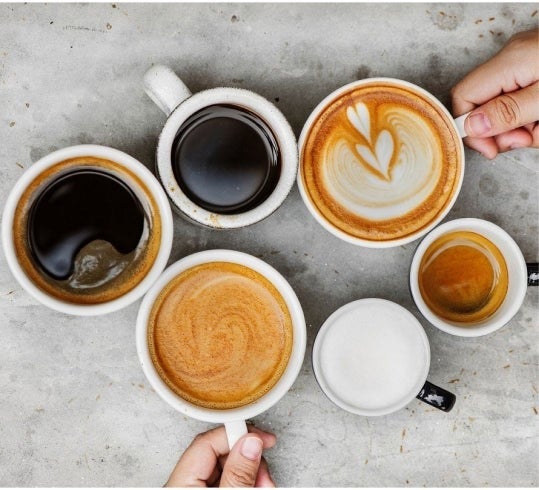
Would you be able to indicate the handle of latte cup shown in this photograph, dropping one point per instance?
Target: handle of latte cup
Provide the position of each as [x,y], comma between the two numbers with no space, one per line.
[437,397]
[459,123]
[235,430]
[533,273]
[165,88]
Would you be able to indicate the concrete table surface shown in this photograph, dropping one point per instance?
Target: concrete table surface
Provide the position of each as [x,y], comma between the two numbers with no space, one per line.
[75,408]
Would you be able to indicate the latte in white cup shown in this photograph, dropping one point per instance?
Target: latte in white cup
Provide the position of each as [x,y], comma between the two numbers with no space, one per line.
[381,162]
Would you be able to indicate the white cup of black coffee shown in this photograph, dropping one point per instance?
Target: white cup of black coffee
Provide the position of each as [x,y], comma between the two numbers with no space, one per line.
[87,229]
[226,157]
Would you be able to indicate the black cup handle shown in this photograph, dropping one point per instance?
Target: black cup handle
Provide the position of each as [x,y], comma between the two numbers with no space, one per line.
[533,274]
[437,397]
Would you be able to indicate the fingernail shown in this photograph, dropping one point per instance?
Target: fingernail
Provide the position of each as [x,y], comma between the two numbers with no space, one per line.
[251,448]
[479,124]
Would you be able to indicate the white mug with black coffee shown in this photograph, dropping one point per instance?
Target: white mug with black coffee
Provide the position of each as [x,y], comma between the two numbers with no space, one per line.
[227,157]
[381,162]
[87,229]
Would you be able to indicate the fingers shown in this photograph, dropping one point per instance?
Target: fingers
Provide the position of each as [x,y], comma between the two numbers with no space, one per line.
[524,137]
[515,66]
[197,465]
[243,462]
[511,140]
[263,479]
[504,113]
[269,439]
[502,96]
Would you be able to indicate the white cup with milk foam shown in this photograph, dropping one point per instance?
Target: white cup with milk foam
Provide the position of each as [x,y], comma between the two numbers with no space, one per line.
[372,357]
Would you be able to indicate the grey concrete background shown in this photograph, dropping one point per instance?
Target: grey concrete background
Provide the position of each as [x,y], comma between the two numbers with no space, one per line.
[75,408]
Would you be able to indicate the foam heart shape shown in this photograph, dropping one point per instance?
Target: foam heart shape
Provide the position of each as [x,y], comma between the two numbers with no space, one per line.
[383,152]
[360,119]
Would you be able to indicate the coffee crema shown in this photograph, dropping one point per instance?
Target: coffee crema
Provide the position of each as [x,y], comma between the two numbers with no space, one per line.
[86,230]
[381,162]
[220,335]
[463,277]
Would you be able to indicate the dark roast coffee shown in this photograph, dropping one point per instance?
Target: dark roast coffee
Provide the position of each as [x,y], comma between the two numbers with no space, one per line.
[76,209]
[86,230]
[226,159]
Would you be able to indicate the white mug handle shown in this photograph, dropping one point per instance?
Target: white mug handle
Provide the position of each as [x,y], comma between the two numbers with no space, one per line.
[165,88]
[235,430]
[459,123]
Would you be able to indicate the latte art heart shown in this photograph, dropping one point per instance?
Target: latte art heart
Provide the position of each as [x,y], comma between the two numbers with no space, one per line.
[361,181]
[381,162]
[379,157]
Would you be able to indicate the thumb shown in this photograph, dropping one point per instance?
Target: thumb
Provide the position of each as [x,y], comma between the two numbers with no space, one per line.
[241,467]
[505,112]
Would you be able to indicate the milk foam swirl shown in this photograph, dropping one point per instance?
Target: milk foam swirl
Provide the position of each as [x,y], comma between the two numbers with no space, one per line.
[220,335]
[386,165]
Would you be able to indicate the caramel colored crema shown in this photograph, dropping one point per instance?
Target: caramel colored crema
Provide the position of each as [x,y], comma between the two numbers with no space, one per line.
[463,277]
[220,335]
[99,272]
[381,162]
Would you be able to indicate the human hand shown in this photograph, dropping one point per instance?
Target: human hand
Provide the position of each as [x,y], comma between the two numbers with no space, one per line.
[207,462]
[503,95]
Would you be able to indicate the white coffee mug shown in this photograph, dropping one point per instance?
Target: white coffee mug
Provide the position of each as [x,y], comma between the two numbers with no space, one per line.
[371,357]
[172,96]
[132,165]
[458,126]
[234,418]
[517,277]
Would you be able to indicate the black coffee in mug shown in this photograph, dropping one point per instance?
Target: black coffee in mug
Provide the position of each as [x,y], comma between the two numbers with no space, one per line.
[226,159]
[76,209]
[86,230]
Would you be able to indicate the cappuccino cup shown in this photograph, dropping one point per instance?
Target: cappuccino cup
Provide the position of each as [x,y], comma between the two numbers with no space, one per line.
[468,277]
[226,157]
[381,162]
[86,230]
[371,357]
[221,337]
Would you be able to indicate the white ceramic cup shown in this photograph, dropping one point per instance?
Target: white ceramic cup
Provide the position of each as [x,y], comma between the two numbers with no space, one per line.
[371,357]
[516,268]
[458,125]
[172,96]
[234,419]
[130,164]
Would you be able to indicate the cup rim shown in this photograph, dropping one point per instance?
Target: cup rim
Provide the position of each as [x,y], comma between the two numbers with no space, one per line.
[298,344]
[264,109]
[122,159]
[317,370]
[475,225]
[330,226]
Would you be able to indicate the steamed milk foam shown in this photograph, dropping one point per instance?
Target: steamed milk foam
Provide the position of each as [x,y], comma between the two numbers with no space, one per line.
[381,161]
[372,355]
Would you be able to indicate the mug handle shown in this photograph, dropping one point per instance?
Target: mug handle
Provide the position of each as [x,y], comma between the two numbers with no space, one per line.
[436,397]
[533,273]
[459,123]
[165,88]
[235,430]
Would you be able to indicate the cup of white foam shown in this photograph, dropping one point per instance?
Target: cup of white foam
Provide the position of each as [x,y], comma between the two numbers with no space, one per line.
[372,357]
